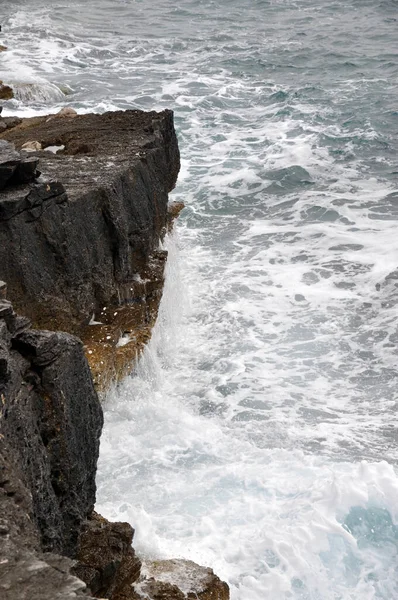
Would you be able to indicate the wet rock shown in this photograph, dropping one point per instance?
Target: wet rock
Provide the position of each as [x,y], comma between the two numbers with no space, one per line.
[81,251]
[51,420]
[66,113]
[6,92]
[107,562]
[3,48]
[179,580]
[115,337]
[173,212]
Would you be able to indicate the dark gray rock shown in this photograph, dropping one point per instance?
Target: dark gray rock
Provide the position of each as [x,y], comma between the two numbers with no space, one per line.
[9,160]
[25,572]
[68,251]
[3,290]
[26,170]
[10,122]
[15,168]
[51,419]
[30,201]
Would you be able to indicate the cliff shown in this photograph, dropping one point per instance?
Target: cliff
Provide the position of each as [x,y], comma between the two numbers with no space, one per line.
[78,252]
[50,424]
[81,243]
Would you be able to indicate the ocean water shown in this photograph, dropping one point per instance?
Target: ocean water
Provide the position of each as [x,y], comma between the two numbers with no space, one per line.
[258,433]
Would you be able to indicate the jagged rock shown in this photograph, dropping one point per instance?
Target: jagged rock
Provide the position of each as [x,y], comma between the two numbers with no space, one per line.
[92,240]
[39,198]
[25,572]
[118,335]
[26,170]
[173,212]
[6,92]
[26,476]
[9,161]
[3,48]
[178,580]
[15,168]
[107,562]
[83,250]
[51,419]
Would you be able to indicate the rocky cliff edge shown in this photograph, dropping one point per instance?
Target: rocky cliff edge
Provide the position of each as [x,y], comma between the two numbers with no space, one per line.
[78,243]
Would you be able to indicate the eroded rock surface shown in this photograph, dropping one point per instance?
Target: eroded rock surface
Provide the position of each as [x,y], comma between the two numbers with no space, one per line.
[107,561]
[83,252]
[51,419]
[84,238]
[6,92]
[179,580]
[78,251]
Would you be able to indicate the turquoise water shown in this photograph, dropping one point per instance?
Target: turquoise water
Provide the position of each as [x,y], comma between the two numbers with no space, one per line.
[258,434]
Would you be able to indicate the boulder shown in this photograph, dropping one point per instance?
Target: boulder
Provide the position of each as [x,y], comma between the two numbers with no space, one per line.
[66,113]
[178,580]
[107,561]
[6,92]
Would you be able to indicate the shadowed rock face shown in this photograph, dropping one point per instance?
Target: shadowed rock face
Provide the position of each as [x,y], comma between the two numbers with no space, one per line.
[73,243]
[25,572]
[107,561]
[15,168]
[51,420]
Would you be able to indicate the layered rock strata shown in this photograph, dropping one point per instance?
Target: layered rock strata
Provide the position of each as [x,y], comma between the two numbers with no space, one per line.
[80,245]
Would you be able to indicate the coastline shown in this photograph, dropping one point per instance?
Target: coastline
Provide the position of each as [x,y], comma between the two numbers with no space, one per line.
[79,243]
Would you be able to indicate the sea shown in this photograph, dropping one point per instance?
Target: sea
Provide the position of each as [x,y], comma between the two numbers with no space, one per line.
[258,432]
